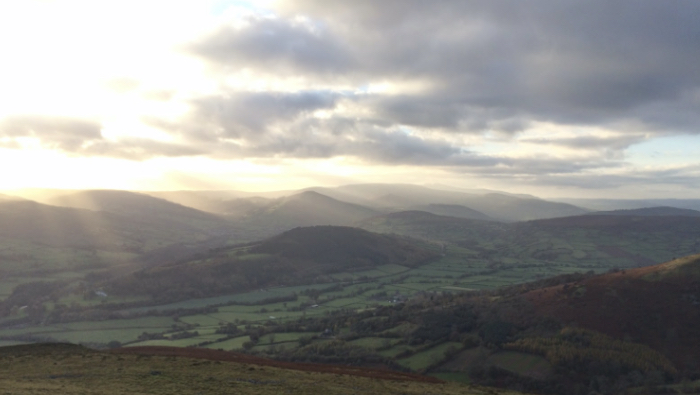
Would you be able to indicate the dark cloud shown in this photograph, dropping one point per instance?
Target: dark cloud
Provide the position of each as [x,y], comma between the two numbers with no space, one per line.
[248,113]
[275,43]
[495,63]
[591,142]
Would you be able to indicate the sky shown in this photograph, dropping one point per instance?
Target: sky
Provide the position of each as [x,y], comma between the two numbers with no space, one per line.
[553,98]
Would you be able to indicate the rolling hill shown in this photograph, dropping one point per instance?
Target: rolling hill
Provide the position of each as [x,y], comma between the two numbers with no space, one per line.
[598,242]
[304,209]
[343,248]
[299,256]
[501,206]
[386,198]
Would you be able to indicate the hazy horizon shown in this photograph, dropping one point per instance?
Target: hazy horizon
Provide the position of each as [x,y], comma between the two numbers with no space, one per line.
[556,100]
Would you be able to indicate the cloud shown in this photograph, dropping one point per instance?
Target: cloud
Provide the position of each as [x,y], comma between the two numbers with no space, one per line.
[492,64]
[591,142]
[238,114]
[292,45]
[83,137]
[62,133]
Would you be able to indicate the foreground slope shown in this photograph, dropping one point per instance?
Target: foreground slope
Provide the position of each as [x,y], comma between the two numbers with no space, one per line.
[67,369]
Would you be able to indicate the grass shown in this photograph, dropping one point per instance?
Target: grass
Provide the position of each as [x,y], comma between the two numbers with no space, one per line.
[71,371]
[374,342]
[424,359]
[521,363]
[452,376]
[230,344]
[192,341]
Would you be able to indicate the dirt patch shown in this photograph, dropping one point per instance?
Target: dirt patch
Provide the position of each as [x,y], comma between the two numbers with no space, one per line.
[228,356]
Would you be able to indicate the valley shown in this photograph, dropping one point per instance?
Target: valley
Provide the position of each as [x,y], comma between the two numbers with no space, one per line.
[392,283]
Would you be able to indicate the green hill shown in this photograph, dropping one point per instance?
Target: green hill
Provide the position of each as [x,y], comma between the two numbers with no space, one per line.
[587,242]
[296,257]
[344,248]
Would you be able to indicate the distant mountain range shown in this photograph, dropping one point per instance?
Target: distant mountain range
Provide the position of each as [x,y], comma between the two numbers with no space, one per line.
[628,204]
[652,212]
[381,198]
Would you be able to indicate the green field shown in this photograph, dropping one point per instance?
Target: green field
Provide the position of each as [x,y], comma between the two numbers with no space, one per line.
[432,356]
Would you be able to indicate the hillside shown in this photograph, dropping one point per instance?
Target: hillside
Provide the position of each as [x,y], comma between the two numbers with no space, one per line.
[658,306]
[296,257]
[303,209]
[586,242]
[344,248]
[68,370]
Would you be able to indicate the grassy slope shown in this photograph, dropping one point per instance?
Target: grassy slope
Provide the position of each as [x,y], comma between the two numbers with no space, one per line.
[75,370]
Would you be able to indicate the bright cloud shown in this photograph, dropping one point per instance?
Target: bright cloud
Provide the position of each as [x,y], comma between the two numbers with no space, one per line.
[553,97]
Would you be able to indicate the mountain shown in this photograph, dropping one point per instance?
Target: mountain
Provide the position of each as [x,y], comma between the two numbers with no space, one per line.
[388,197]
[305,209]
[4,198]
[658,306]
[505,207]
[652,212]
[627,204]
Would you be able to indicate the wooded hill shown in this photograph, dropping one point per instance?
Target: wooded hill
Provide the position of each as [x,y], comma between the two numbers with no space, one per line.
[299,256]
